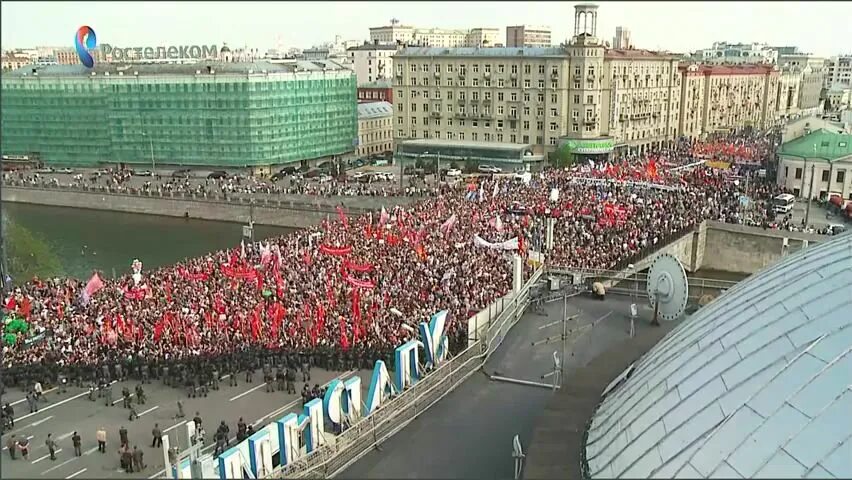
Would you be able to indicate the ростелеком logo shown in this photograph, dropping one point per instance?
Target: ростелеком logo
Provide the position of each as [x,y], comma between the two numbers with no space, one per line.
[85,40]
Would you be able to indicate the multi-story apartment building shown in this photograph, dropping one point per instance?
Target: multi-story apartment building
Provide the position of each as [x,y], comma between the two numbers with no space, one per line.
[375,128]
[621,39]
[372,61]
[583,94]
[789,84]
[525,36]
[811,71]
[396,33]
[10,61]
[376,91]
[736,54]
[839,71]
[723,97]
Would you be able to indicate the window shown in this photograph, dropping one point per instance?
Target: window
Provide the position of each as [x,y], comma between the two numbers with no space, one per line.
[475,68]
[526,83]
[425,107]
[499,123]
[400,120]
[500,83]
[413,107]
[475,82]
[553,140]
[488,68]
[539,126]
[539,112]
[475,95]
[449,82]
[499,96]
[825,175]
[527,69]
[513,97]
[461,135]
[487,137]
[526,97]
[450,95]
[554,70]
[414,120]
[577,85]
[499,109]
[488,95]
[399,107]
[424,68]
[514,69]
[553,98]
[513,138]
[590,99]
[575,127]
[488,82]
[526,124]
[413,69]
[541,84]
[474,136]
[501,69]
[541,69]
[450,68]
[514,83]
[798,174]
[841,176]
[552,126]
[499,137]
[575,114]
[400,133]
[552,112]
[540,98]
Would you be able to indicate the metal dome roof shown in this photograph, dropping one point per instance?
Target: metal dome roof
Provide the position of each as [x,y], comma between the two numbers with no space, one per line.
[756,384]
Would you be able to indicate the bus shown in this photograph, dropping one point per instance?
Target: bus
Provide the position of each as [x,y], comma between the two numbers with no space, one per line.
[783,203]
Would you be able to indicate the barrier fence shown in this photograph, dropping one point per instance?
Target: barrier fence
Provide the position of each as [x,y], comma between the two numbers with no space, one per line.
[359,439]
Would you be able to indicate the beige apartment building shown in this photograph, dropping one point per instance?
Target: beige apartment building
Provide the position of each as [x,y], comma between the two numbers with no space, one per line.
[521,36]
[583,94]
[375,128]
[716,97]
[396,33]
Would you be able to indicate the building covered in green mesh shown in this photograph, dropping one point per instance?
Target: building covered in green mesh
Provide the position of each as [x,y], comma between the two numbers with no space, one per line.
[207,114]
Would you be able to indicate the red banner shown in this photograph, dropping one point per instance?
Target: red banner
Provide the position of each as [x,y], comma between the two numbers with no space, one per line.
[359,283]
[244,273]
[339,251]
[358,267]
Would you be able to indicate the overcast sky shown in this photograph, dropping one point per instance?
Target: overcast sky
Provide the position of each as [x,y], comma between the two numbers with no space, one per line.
[822,28]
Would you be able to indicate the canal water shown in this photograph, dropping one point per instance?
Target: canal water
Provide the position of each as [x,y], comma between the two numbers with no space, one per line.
[92,239]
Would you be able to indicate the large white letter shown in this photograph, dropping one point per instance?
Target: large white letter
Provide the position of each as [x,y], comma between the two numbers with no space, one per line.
[434,341]
[380,387]
[331,401]
[407,364]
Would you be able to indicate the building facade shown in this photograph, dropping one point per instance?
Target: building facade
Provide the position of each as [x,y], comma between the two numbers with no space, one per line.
[376,91]
[221,114]
[10,61]
[788,93]
[718,98]
[839,71]
[737,54]
[822,159]
[375,128]
[622,40]
[483,37]
[526,36]
[838,97]
[586,96]
[372,61]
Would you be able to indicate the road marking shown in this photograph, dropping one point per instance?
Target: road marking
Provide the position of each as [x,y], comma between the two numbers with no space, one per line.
[28,438]
[175,426]
[66,462]
[76,473]
[64,436]
[90,451]
[274,412]
[54,405]
[25,399]
[247,392]
[149,410]
[46,456]
[35,424]
[120,399]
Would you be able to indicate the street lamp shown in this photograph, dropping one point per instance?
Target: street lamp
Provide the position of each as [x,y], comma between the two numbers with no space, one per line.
[151,139]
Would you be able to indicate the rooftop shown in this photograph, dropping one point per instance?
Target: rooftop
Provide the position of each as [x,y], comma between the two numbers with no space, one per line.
[219,68]
[381,83]
[638,53]
[482,52]
[741,69]
[373,46]
[374,110]
[757,384]
[821,144]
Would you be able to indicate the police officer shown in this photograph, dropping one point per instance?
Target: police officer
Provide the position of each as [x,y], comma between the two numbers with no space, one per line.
[9,412]
[279,374]
[133,415]
[306,369]
[122,435]
[138,464]
[119,373]
[290,376]
[105,373]
[249,371]
[166,377]
[125,393]
[220,442]
[226,430]
[145,373]
[241,430]
[140,394]
[232,377]
[215,380]
[189,383]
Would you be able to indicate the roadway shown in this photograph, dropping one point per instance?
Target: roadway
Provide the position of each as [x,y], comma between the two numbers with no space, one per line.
[468,434]
[64,413]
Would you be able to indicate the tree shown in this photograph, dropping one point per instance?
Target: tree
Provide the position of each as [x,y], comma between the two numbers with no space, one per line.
[27,254]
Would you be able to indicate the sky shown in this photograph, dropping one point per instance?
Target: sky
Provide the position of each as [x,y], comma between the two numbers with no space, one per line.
[821,28]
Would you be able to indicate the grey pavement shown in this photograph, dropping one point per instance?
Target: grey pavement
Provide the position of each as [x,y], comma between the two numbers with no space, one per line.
[468,434]
[65,413]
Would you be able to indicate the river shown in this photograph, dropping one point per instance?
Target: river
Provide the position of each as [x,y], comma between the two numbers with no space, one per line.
[113,240]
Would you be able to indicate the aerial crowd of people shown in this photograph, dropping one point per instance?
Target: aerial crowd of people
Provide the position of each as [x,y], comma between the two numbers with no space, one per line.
[364,284]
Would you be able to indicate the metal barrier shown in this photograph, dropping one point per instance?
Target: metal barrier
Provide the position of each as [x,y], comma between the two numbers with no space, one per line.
[359,439]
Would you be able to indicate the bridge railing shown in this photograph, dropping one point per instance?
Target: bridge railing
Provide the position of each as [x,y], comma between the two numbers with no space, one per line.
[359,439]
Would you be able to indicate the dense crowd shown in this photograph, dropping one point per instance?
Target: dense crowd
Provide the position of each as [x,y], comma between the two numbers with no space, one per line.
[363,284]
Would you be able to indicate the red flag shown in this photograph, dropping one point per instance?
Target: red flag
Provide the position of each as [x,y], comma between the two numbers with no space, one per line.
[95,283]
[330,292]
[342,217]
[344,341]
[26,307]
[11,304]
[255,323]
[259,278]
[320,323]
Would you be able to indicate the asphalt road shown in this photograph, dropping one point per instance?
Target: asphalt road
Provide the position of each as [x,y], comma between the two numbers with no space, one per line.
[62,414]
[468,434]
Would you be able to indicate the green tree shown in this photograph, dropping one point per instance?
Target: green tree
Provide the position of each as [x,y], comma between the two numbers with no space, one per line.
[27,254]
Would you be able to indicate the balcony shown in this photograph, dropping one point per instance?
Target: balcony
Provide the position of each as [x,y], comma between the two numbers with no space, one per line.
[461,101]
[474,100]
[554,74]
[590,120]
[486,101]
[487,74]
[437,74]
[513,115]
[461,114]
[577,77]
[513,75]
[435,114]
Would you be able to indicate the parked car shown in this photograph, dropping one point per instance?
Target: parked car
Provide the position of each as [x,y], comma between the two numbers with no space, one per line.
[358,163]
[144,173]
[454,172]
[489,169]
[45,170]
[181,173]
[65,170]
[367,177]
[288,170]
[836,229]
[323,178]
[313,173]
[217,174]
[357,175]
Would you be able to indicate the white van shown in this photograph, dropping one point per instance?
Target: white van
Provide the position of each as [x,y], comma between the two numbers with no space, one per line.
[783,203]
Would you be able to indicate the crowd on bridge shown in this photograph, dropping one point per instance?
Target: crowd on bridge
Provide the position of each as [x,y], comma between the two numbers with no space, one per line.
[350,290]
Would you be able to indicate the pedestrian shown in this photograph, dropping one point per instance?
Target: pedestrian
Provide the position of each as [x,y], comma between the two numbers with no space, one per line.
[197,420]
[32,401]
[157,442]
[101,437]
[133,415]
[220,443]
[180,413]
[10,414]
[24,446]
[127,458]
[12,445]
[122,436]
[51,446]
[38,390]
[75,439]
[107,395]
[137,459]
